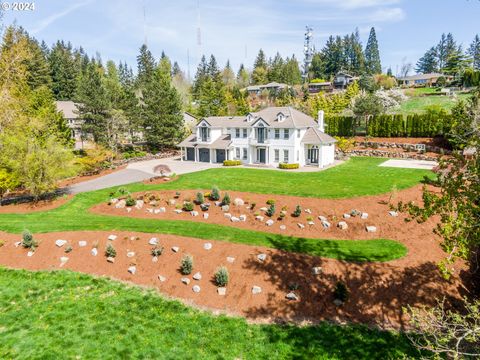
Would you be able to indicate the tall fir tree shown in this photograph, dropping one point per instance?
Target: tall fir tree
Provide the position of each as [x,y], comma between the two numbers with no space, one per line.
[260,69]
[291,72]
[373,64]
[200,76]
[64,71]
[428,63]
[228,77]
[317,67]
[275,69]
[333,56]
[243,77]
[474,52]
[145,66]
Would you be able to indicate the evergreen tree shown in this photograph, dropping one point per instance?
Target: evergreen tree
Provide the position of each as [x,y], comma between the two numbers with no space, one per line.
[441,51]
[164,65]
[456,61]
[145,66]
[260,60]
[176,69]
[275,69]
[291,72]
[428,62]
[333,56]
[372,54]
[162,112]
[37,67]
[353,53]
[260,69]
[63,71]
[474,52]
[200,76]
[228,77]
[243,78]
[317,67]
[389,71]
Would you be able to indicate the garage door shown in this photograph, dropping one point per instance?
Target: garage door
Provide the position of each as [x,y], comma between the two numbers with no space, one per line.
[191,154]
[220,155]
[204,155]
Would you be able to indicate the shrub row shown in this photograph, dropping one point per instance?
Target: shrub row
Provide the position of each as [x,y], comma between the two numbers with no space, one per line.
[288,166]
[397,125]
[232,162]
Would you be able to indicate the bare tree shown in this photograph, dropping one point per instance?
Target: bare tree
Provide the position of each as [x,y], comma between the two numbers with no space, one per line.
[405,68]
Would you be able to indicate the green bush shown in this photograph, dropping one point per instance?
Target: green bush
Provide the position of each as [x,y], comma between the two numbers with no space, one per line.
[200,199]
[221,276]
[68,248]
[27,240]
[232,162]
[188,206]
[341,291]
[157,251]
[271,210]
[215,194]
[110,251]
[288,166]
[186,265]
[226,199]
[270,201]
[130,201]
[297,212]
[133,154]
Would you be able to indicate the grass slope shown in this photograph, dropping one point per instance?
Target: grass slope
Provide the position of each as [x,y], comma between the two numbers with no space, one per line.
[335,182]
[53,315]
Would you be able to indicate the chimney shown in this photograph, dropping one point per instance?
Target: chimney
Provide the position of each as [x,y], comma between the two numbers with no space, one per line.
[321,124]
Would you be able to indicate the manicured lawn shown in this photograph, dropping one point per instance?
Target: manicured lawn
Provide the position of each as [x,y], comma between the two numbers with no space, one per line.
[419,103]
[65,315]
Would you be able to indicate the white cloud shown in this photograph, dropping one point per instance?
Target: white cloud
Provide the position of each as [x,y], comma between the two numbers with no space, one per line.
[353,4]
[43,24]
[388,15]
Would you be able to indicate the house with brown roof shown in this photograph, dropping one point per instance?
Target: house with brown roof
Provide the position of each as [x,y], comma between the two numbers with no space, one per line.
[423,79]
[270,136]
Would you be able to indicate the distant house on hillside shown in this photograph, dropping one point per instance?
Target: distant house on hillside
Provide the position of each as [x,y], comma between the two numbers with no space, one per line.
[271,87]
[189,121]
[343,79]
[316,87]
[70,111]
[422,79]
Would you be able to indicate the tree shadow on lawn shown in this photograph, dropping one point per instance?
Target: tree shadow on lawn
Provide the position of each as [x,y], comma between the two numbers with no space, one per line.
[378,291]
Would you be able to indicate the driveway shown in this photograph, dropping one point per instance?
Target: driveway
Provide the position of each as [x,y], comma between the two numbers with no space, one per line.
[139,171]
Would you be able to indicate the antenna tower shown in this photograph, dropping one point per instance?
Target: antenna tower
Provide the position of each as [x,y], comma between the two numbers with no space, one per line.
[308,51]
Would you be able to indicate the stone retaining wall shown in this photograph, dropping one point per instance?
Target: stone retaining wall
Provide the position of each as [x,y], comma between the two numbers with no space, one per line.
[384,154]
[409,147]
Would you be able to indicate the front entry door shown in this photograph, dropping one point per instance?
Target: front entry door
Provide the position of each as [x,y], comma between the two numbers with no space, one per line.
[261,156]
[313,155]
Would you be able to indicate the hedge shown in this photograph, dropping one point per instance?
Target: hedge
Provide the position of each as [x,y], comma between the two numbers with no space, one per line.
[396,125]
[288,166]
[232,162]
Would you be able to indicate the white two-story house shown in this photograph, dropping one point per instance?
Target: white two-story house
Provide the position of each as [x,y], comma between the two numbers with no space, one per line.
[271,136]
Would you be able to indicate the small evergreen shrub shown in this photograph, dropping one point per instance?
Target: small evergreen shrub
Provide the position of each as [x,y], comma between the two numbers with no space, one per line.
[123,191]
[297,212]
[186,265]
[221,276]
[188,206]
[2,243]
[110,251]
[27,240]
[341,291]
[226,199]
[232,162]
[177,195]
[281,216]
[271,210]
[252,206]
[157,251]
[199,198]
[309,218]
[68,249]
[130,201]
[215,195]
[288,166]
[284,208]
[270,202]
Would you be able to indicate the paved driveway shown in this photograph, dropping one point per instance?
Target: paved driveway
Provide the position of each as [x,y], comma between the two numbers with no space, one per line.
[139,171]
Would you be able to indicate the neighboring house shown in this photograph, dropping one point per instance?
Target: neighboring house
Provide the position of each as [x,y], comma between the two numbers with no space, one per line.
[70,111]
[189,121]
[423,79]
[316,87]
[271,87]
[271,136]
[342,80]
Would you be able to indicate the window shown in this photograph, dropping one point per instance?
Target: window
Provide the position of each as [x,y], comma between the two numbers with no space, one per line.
[204,133]
[237,133]
[244,133]
[285,156]
[277,133]
[277,155]
[286,134]
[298,133]
[244,153]
[237,153]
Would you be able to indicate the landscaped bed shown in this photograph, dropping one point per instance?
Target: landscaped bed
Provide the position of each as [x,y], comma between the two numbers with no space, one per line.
[377,291]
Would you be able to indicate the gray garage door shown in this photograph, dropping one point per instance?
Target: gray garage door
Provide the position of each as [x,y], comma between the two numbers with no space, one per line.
[204,155]
[220,155]
[191,154]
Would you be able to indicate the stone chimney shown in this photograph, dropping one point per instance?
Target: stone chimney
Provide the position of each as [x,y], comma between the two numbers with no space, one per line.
[321,123]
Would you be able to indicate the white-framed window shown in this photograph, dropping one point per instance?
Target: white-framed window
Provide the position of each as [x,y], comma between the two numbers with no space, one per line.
[244,153]
[285,156]
[277,133]
[277,155]
[286,134]
[237,133]
[204,134]
[237,153]
[244,133]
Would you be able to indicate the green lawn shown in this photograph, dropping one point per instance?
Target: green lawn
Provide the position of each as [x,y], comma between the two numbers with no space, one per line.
[65,315]
[419,102]
[359,176]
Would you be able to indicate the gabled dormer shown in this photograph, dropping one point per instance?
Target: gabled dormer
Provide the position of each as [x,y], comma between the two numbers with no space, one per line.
[250,117]
[281,117]
[260,123]
[203,131]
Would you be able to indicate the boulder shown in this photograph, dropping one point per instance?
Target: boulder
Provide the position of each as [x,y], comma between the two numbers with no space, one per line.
[196,288]
[194,213]
[263,209]
[30,253]
[259,218]
[322,218]
[178,211]
[338,302]
[230,259]
[355,212]
[343,225]
[120,204]
[225,208]
[129,210]
[185,280]
[393,213]
[238,202]
[132,270]
[175,249]
[156,211]
[269,222]
[18,243]
[139,204]
[301,226]
[130,254]
[150,211]
[153,241]
[113,201]
[311,223]
[171,202]
[155,259]
[308,211]
[162,209]
[292,296]
[218,203]
[60,243]
[347,216]
[197,276]
[205,215]
[63,260]
[262,257]
[112,237]
[222,291]
[283,227]
[243,217]
[162,278]
[204,207]
[234,219]
[364,215]
[94,251]
[207,246]
[326,224]
[82,243]
[371,229]
[317,270]
[228,215]
[256,290]
[111,259]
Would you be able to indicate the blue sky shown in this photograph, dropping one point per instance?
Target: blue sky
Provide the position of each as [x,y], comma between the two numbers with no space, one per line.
[236,29]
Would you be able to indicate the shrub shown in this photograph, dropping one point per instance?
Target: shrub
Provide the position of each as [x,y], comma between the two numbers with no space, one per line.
[270,202]
[157,251]
[309,218]
[215,195]
[252,206]
[284,208]
[133,154]
[2,243]
[344,144]
[207,195]
[232,162]
[271,210]
[27,240]
[286,166]
[123,191]
[110,251]
[177,195]
[68,249]
[281,216]
[297,212]
[178,206]
[221,276]
[226,199]
[130,201]
[188,206]
[186,265]
[341,291]
[200,198]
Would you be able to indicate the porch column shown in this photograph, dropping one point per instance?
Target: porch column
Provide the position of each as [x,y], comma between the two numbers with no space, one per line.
[210,157]
[195,156]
